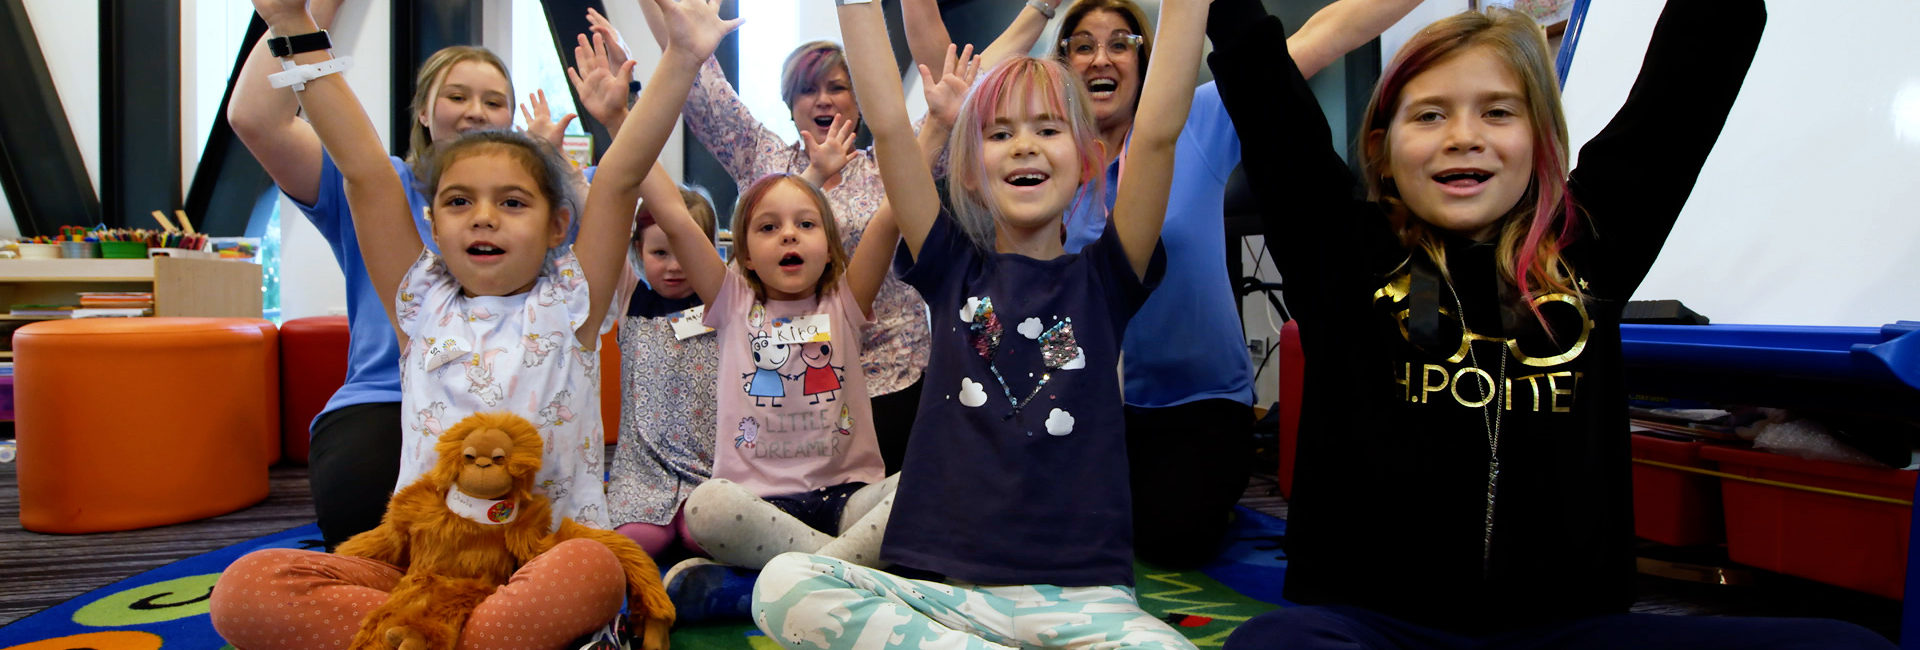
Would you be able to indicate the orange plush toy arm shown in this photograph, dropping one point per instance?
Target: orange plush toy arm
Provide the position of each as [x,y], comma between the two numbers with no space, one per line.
[649,613]
[388,542]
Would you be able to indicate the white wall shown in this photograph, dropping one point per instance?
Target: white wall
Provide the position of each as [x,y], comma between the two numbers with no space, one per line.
[69,41]
[311,283]
[1803,214]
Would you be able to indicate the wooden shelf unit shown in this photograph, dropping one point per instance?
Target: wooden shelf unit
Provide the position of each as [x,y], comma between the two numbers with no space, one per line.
[180,286]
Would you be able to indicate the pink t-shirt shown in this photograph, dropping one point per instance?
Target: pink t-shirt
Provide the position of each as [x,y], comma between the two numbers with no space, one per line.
[791,417]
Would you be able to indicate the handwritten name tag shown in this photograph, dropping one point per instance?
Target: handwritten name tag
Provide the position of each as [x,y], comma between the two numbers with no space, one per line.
[686,323]
[811,328]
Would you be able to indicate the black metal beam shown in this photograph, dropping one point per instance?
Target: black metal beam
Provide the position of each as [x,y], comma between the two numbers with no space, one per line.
[565,20]
[699,167]
[139,110]
[420,28]
[225,198]
[40,164]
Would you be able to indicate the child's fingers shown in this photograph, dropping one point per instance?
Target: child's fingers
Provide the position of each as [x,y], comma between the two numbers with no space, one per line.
[564,121]
[526,114]
[926,77]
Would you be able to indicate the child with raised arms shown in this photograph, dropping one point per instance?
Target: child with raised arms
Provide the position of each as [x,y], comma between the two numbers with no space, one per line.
[1015,483]
[1462,477]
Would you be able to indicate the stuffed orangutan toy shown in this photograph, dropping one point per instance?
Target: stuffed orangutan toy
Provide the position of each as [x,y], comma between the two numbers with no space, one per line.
[452,563]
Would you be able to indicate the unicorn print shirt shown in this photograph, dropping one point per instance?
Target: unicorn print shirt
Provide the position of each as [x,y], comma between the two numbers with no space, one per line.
[792,401]
[472,354]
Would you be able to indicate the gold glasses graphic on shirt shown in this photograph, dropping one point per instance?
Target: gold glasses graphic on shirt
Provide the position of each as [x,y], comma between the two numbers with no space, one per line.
[1084,46]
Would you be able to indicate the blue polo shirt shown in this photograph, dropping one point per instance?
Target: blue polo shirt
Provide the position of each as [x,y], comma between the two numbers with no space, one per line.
[373,355]
[1184,344]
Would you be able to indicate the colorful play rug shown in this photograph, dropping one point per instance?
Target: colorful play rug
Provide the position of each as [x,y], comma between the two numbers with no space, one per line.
[168,606]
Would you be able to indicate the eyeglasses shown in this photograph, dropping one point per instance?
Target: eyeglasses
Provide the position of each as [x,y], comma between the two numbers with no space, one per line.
[1083,46]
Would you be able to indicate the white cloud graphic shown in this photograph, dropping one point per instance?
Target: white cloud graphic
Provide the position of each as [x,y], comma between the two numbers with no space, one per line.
[972,393]
[1059,423]
[966,311]
[1079,360]
[1030,328]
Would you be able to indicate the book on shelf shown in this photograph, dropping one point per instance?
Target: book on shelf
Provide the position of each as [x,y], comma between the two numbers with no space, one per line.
[112,312]
[122,299]
[43,311]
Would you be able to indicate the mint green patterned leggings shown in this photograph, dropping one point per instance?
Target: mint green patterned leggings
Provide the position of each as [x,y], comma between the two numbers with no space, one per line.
[812,601]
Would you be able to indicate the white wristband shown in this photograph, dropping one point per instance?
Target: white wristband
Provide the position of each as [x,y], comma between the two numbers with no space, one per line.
[297,76]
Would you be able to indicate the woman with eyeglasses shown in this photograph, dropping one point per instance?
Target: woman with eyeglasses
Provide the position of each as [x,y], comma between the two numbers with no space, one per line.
[1188,379]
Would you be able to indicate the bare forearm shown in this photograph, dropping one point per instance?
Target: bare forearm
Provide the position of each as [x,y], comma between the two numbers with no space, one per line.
[1168,91]
[927,36]
[1340,27]
[1019,37]
[882,102]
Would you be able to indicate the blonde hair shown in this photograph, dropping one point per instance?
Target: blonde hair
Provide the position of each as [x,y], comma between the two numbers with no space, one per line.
[1538,227]
[420,138]
[743,221]
[1010,87]
[699,205]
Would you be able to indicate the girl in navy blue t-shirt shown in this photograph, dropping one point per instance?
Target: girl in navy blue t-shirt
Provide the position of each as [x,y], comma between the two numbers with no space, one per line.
[1016,472]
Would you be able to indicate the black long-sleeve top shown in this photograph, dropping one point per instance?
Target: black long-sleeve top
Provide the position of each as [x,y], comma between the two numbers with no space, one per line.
[1390,484]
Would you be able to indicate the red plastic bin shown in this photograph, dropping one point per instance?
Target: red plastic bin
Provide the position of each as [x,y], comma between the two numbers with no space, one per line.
[1671,506]
[1847,541]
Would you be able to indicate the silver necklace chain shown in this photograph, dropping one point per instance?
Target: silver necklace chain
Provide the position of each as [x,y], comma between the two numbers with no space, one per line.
[1490,416]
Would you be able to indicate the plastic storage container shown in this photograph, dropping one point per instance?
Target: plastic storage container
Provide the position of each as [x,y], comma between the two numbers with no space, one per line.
[1672,506]
[1849,541]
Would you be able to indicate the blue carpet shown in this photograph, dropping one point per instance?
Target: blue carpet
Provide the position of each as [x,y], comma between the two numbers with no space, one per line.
[163,607]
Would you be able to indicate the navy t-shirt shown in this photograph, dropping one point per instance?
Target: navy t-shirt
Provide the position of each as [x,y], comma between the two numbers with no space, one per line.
[991,493]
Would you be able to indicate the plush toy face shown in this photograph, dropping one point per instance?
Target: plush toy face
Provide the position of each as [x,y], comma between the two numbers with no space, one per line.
[483,468]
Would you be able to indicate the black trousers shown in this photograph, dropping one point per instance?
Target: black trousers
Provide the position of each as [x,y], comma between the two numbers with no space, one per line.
[1352,628]
[893,415]
[1189,465]
[352,462]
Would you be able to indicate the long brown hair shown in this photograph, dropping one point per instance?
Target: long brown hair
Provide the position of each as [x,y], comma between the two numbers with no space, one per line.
[1538,227]
[420,139]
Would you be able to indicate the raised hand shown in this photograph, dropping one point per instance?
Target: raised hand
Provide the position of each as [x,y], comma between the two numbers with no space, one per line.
[616,46]
[540,123]
[694,26]
[828,155]
[601,83]
[944,95]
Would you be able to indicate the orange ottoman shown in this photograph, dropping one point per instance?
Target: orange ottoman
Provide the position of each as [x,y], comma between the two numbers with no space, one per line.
[129,423]
[313,364]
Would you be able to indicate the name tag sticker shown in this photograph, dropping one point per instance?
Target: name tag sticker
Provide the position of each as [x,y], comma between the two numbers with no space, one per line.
[811,328]
[445,350]
[686,323]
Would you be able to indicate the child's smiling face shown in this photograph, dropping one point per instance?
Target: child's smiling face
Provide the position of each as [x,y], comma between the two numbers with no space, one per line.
[786,242]
[493,224]
[1032,167]
[1460,145]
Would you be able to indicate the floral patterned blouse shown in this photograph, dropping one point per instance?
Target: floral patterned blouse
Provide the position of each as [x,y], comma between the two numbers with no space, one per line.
[895,349]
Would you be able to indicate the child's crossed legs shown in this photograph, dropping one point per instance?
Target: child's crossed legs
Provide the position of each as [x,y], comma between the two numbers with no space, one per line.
[811,601]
